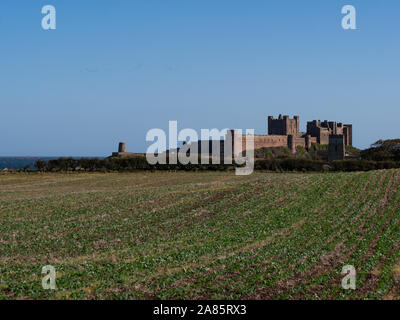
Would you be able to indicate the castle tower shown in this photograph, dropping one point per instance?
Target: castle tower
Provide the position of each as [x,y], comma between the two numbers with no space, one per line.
[292,143]
[233,143]
[122,147]
[297,124]
[348,134]
[308,142]
[283,125]
[336,149]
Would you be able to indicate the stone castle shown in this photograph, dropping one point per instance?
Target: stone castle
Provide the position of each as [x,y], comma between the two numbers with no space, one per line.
[282,132]
[285,132]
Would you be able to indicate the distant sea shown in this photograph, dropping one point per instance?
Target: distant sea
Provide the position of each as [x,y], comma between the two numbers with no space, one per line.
[21,162]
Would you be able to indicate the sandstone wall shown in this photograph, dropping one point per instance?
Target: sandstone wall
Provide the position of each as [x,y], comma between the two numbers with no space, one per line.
[260,141]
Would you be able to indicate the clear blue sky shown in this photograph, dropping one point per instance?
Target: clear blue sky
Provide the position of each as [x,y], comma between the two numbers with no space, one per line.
[112,70]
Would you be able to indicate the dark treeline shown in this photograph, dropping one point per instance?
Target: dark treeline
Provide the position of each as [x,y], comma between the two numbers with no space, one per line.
[140,164]
[292,164]
[120,164]
[383,150]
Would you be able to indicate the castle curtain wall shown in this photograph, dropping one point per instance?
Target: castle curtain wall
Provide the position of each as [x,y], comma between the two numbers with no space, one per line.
[261,141]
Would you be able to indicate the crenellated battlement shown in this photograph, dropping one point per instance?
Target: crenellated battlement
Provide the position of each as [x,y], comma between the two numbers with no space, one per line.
[283,125]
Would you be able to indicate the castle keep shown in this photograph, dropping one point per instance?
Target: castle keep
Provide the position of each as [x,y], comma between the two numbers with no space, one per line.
[285,132]
[283,125]
[322,130]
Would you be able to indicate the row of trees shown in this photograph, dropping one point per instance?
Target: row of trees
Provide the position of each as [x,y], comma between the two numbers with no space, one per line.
[383,150]
[119,164]
[140,163]
[293,164]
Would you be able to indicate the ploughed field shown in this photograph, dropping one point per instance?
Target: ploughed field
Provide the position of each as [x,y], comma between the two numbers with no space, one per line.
[188,235]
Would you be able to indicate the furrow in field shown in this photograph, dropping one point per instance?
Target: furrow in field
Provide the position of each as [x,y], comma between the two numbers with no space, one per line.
[252,247]
[343,252]
[171,270]
[302,277]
